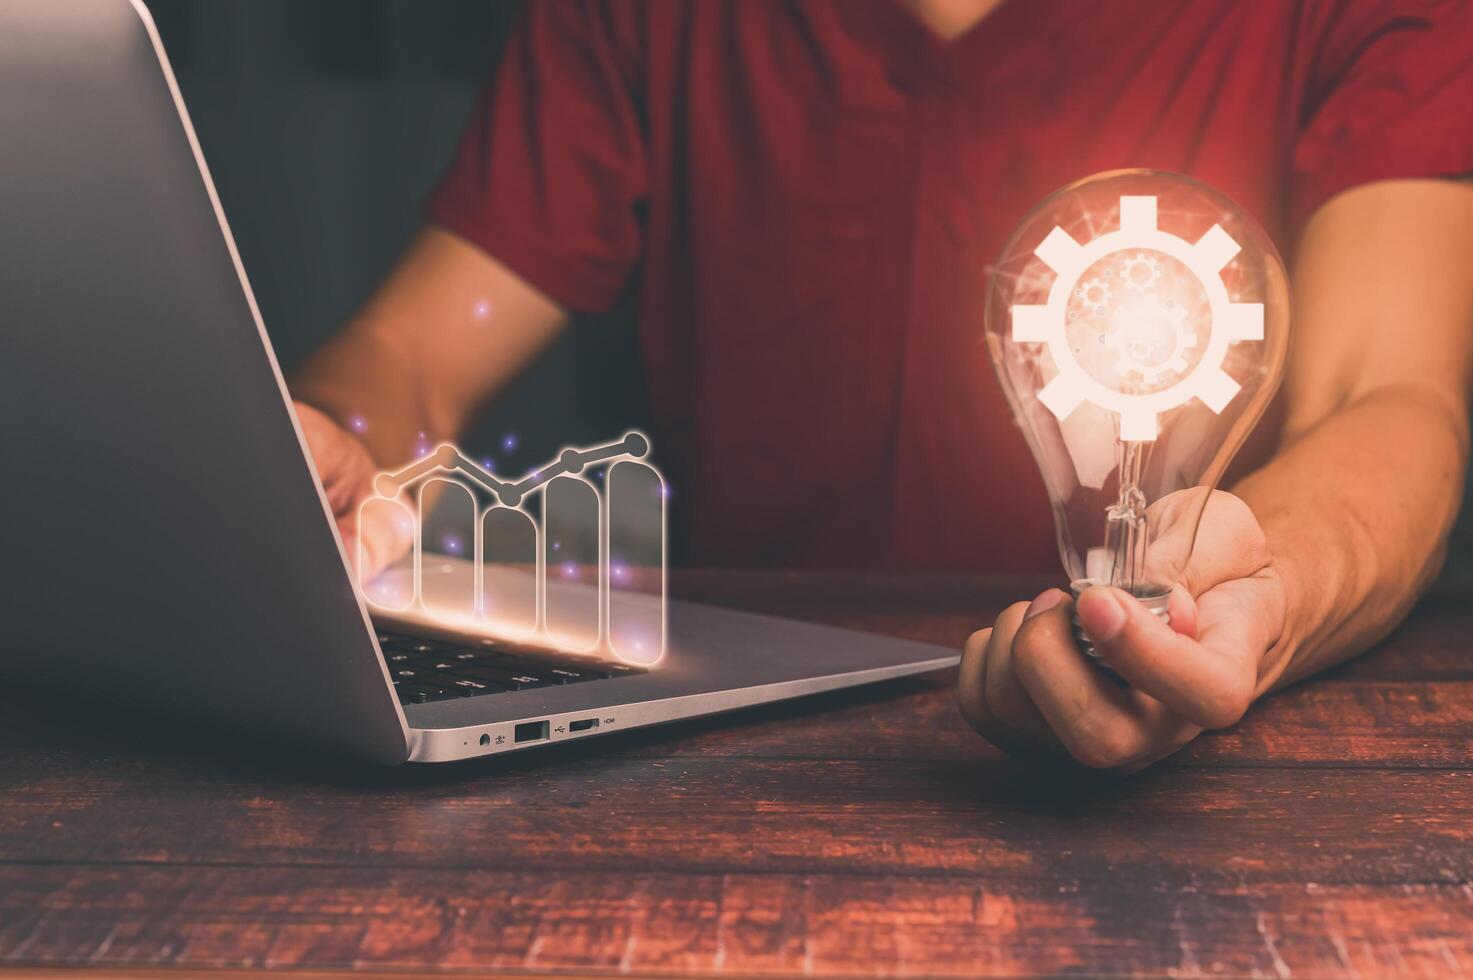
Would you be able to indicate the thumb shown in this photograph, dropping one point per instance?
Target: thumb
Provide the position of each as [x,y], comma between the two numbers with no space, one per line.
[1117,623]
[1199,683]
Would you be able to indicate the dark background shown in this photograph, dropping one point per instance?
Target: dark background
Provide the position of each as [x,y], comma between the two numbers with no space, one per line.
[325,123]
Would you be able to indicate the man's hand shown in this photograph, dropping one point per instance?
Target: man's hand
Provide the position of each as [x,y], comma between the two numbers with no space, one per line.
[347,471]
[1025,685]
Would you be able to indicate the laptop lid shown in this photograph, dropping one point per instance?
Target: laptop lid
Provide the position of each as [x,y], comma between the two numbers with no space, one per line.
[166,541]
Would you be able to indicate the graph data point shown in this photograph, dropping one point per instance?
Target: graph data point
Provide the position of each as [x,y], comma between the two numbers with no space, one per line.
[571,461]
[511,496]
[636,444]
[385,485]
[446,456]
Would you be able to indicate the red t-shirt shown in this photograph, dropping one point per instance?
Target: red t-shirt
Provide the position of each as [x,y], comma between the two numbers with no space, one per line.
[807,195]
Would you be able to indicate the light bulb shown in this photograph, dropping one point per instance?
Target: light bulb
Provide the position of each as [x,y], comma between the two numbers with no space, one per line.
[1139,324]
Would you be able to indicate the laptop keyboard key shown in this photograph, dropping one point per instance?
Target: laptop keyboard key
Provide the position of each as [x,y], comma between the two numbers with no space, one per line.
[422,693]
[414,644]
[562,675]
[510,680]
[469,687]
[540,665]
[622,670]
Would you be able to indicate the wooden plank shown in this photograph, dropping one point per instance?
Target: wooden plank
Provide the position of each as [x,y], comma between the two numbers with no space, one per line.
[713,924]
[1352,724]
[742,815]
[1418,724]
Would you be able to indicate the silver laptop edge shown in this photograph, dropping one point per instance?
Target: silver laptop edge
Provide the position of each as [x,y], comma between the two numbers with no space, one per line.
[128,357]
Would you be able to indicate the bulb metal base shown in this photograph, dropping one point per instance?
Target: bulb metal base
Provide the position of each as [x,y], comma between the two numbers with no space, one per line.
[1156,598]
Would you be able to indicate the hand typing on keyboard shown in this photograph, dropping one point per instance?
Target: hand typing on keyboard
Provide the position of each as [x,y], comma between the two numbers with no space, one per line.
[347,470]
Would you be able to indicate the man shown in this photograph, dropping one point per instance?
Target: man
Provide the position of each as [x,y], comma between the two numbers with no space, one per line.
[806,196]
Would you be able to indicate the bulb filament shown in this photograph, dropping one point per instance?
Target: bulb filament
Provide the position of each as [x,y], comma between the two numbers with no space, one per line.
[1125,522]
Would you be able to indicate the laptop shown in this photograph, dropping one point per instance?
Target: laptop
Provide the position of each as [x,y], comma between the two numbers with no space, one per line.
[167,543]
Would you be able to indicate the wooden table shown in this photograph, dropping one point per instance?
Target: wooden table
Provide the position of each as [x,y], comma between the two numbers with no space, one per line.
[864,832]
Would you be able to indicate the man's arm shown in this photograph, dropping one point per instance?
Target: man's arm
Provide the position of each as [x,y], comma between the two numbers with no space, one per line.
[448,328]
[1358,504]
[1343,528]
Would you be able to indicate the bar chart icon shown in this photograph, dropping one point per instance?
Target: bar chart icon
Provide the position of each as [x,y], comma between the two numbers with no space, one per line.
[572,554]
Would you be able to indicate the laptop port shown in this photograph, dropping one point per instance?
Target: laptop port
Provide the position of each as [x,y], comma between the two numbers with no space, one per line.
[531,731]
[582,724]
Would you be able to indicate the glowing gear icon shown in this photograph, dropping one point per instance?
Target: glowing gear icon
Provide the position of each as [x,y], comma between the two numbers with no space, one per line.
[1206,380]
[1095,294]
[1141,272]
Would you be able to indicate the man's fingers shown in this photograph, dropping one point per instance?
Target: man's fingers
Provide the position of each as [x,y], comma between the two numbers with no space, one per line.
[988,692]
[1094,718]
[1209,681]
[971,676]
[972,681]
[377,541]
[1007,699]
[342,461]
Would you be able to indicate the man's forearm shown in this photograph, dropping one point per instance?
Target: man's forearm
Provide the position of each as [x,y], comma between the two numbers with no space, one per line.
[364,383]
[1357,511]
[446,330]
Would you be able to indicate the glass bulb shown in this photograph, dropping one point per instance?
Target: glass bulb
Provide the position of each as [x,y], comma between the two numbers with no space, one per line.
[1139,323]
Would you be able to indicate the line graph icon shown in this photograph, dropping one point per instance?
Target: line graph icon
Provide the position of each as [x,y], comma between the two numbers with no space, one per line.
[552,556]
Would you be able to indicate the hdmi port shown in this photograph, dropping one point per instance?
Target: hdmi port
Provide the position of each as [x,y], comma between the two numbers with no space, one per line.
[583,725]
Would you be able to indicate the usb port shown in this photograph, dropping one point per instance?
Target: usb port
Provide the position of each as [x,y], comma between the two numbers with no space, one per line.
[583,724]
[531,731]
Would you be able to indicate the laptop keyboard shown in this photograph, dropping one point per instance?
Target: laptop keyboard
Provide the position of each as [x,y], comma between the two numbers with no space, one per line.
[433,670]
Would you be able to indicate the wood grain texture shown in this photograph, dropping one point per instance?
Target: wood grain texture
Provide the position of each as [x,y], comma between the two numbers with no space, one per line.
[653,922]
[864,832]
